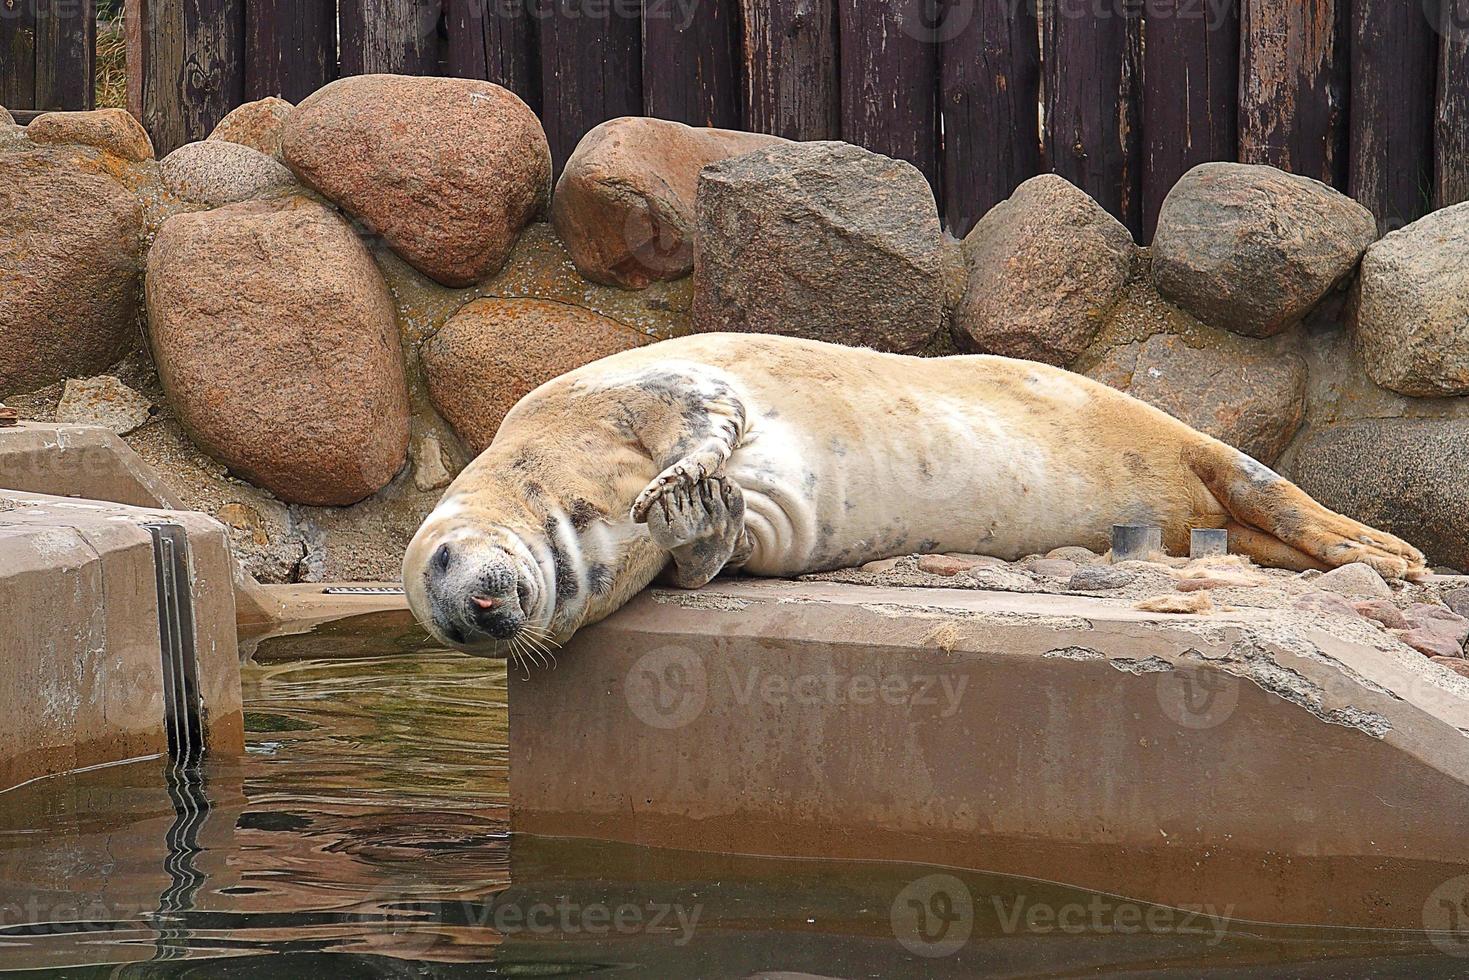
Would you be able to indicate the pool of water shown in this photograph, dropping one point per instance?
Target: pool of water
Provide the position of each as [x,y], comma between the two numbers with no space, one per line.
[365,833]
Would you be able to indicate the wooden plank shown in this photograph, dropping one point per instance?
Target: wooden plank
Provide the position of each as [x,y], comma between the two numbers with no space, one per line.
[397,36]
[18,54]
[66,45]
[1390,127]
[494,40]
[790,54]
[690,67]
[1092,55]
[1451,118]
[189,61]
[889,69]
[989,90]
[591,69]
[290,47]
[1293,87]
[1190,94]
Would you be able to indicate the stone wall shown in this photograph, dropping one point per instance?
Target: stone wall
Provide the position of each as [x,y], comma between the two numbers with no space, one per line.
[312,320]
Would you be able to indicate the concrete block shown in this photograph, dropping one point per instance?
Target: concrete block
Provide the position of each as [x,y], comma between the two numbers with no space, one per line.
[1245,757]
[80,665]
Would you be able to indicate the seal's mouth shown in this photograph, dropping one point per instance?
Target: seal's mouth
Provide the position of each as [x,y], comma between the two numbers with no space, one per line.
[481,593]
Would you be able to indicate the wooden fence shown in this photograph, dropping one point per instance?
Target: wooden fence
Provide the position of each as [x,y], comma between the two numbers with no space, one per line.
[1119,96]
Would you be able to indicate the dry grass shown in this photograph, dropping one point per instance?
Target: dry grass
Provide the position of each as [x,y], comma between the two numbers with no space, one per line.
[112,70]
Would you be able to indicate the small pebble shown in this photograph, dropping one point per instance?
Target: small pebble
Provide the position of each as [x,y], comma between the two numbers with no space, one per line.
[1099,578]
[1438,620]
[881,565]
[1356,580]
[1325,603]
[1430,643]
[976,559]
[1381,611]
[944,565]
[1076,553]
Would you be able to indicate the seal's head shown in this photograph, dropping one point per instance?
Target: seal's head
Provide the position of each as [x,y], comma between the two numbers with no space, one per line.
[476,585]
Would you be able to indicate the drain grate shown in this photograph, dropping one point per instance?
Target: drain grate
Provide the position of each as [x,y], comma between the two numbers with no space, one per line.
[182,709]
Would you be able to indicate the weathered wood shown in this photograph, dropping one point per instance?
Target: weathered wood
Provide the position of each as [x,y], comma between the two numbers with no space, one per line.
[1294,87]
[1451,116]
[989,90]
[1190,94]
[290,47]
[1391,115]
[397,36]
[790,54]
[591,69]
[495,40]
[17,54]
[186,63]
[690,62]
[66,44]
[1092,66]
[889,67]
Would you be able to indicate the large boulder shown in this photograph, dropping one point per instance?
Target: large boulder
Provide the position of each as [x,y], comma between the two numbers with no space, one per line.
[70,258]
[1405,476]
[113,131]
[275,340]
[1253,249]
[1255,401]
[1043,269]
[216,172]
[255,124]
[494,352]
[447,170]
[821,240]
[1412,322]
[624,205]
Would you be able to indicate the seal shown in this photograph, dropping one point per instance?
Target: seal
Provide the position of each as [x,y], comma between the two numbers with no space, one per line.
[778,456]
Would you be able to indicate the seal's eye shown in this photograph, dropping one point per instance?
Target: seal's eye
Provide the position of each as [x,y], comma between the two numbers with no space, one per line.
[522,590]
[441,558]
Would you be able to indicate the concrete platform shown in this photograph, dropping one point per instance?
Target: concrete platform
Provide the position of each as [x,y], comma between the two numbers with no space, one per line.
[81,662]
[1243,757]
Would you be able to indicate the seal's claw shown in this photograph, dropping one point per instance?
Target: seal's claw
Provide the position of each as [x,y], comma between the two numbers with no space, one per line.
[689,472]
[702,526]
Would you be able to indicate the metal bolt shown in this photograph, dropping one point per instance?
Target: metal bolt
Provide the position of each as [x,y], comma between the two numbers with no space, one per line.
[1204,542]
[1135,542]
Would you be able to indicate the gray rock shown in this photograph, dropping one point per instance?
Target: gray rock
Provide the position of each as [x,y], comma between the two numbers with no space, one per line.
[1253,401]
[216,172]
[1043,269]
[1405,476]
[1412,323]
[1253,249]
[103,401]
[822,240]
[1458,600]
[1099,578]
[1052,568]
[70,258]
[1356,580]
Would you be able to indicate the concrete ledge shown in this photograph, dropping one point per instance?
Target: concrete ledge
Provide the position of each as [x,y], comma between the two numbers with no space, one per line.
[80,665]
[1241,757]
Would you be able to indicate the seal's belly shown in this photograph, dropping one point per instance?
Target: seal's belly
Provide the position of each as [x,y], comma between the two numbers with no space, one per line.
[953,479]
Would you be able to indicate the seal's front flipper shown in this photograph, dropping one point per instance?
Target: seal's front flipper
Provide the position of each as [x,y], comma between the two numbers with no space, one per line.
[702,525]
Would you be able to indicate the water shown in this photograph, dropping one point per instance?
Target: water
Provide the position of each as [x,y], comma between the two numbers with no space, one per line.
[366,834]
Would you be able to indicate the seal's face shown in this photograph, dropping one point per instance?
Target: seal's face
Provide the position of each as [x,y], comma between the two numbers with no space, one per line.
[477,588]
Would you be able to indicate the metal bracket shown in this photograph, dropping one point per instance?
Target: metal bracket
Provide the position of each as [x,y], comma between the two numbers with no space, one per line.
[182,707]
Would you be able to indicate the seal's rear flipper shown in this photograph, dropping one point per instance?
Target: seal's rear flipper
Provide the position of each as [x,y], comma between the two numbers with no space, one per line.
[1263,500]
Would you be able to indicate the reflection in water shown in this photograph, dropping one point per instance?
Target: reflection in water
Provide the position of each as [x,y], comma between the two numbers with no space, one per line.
[364,834]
